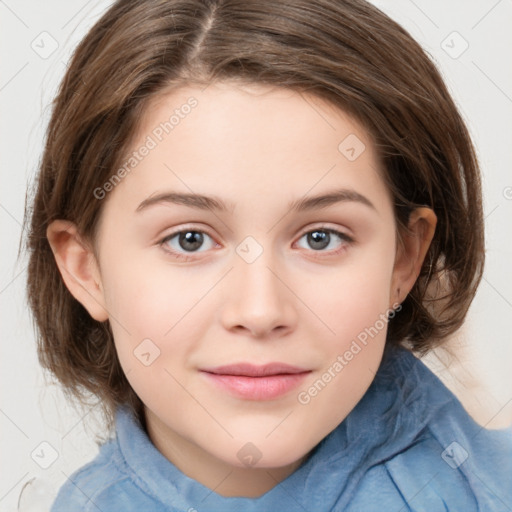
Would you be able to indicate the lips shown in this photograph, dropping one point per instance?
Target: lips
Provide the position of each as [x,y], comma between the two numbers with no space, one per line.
[250,382]
[250,370]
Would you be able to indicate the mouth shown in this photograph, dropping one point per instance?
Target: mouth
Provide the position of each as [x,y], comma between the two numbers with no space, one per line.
[250,382]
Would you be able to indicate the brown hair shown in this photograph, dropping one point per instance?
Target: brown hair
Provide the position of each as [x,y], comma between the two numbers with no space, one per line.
[344,51]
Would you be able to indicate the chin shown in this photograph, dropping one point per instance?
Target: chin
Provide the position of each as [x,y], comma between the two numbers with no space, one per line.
[265,455]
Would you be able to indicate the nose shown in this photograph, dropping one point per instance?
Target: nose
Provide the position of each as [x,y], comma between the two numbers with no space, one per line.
[258,300]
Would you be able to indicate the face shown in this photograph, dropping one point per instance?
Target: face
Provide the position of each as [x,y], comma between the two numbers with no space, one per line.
[258,275]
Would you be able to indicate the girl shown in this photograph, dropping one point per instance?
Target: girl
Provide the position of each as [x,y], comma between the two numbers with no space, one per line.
[311,156]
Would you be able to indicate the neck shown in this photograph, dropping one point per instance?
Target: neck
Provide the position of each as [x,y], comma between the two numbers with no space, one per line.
[219,476]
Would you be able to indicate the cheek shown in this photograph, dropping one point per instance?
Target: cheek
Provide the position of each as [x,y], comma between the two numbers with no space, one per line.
[149,299]
[353,297]
[160,316]
[147,319]
[353,304]
[148,314]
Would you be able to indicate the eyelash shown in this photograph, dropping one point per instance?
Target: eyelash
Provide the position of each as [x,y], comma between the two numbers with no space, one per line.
[180,256]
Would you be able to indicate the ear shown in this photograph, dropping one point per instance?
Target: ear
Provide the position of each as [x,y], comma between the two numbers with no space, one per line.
[411,251]
[78,267]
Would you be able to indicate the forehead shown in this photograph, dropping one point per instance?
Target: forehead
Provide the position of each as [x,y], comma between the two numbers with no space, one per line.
[232,141]
[247,114]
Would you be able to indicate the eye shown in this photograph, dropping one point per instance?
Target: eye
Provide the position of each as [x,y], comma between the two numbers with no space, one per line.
[187,240]
[323,238]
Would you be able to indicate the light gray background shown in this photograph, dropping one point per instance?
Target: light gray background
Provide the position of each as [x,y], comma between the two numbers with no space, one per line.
[33,411]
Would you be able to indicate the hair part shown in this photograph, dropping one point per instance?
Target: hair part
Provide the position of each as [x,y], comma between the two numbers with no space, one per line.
[346,52]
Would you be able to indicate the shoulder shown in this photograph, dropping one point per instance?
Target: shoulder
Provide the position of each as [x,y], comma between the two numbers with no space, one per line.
[88,484]
[419,480]
[102,484]
[454,476]
[450,458]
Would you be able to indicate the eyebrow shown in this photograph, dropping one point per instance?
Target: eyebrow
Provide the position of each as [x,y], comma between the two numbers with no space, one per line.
[214,203]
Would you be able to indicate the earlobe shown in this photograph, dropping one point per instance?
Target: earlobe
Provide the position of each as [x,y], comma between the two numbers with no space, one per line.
[78,267]
[413,248]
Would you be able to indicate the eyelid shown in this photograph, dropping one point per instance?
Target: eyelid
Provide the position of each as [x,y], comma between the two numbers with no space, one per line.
[326,227]
[181,229]
[308,229]
[187,227]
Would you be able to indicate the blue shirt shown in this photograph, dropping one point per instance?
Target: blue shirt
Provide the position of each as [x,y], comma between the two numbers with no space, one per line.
[408,445]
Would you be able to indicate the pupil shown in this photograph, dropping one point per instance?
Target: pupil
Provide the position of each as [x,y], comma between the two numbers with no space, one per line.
[318,239]
[191,237]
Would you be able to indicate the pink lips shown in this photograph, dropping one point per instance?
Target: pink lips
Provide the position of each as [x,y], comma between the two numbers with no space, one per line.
[252,382]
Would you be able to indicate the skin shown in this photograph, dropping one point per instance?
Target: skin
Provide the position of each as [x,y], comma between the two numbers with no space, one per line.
[258,149]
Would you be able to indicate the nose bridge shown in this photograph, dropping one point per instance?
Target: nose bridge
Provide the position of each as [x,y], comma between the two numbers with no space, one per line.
[258,300]
[257,283]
